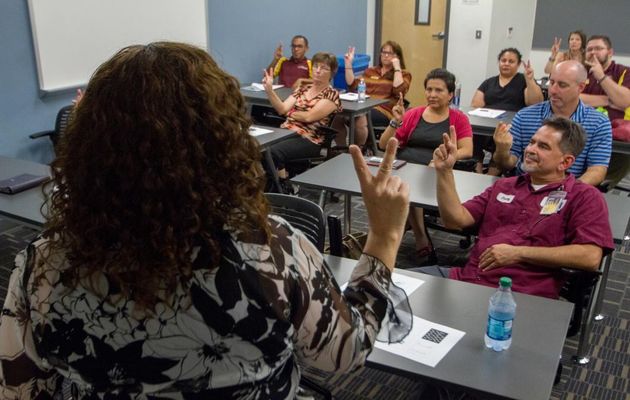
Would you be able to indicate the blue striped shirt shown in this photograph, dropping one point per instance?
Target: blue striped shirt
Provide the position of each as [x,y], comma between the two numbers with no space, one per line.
[597,126]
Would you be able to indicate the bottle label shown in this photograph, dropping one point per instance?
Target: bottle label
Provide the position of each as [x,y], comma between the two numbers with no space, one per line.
[499,329]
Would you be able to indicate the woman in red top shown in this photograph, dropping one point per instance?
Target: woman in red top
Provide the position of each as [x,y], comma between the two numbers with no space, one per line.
[387,80]
[419,131]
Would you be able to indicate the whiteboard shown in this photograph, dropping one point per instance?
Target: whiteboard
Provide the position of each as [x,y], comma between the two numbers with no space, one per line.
[71,38]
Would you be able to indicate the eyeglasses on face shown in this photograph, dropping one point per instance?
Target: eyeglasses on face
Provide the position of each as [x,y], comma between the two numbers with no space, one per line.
[596,48]
[387,53]
[297,46]
[321,67]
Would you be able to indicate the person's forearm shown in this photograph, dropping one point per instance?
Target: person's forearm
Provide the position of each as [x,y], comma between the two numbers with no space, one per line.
[533,93]
[594,100]
[389,133]
[276,103]
[384,248]
[452,213]
[576,256]
[349,74]
[272,64]
[549,66]
[594,175]
[617,95]
[398,78]
[504,159]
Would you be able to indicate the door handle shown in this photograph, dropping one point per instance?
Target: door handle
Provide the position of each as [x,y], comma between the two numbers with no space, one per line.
[439,35]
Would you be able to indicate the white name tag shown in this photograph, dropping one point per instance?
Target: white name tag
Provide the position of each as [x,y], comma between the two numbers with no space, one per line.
[505,198]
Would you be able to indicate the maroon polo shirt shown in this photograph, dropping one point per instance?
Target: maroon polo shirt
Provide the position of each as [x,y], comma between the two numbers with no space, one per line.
[616,73]
[290,70]
[509,212]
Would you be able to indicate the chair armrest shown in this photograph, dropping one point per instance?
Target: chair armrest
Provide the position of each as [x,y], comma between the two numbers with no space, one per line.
[41,134]
[466,164]
[335,238]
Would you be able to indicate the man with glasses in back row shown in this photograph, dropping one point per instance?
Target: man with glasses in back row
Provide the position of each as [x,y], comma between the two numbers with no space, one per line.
[294,71]
[608,90]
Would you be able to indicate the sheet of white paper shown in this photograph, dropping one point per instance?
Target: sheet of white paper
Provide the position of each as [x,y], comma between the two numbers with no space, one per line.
[405,282]
[258,87]
[486,112]
[255,131]
[350,96]
[427,342]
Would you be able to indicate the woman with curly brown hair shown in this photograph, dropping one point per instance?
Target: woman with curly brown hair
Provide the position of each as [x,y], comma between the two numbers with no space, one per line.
[160,273]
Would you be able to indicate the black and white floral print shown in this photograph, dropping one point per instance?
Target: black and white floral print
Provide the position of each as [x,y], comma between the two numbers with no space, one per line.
[236,330]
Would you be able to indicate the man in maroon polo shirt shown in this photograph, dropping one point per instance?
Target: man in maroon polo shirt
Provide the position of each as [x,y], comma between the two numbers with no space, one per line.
[608,88]
[295,70]
[531,225]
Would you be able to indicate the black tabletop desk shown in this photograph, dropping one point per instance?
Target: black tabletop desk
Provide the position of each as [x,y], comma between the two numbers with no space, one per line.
[525,371]
[24,206]
[338,175]
[350,108]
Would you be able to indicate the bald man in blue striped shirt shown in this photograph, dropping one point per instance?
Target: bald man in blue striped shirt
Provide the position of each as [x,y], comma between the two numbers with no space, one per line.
[566,82]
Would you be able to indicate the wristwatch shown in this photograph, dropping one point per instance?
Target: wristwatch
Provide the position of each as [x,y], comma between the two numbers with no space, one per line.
[395,124]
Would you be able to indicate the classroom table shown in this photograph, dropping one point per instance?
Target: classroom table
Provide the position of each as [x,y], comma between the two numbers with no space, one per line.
[350,109]
[265,141]
[338,175]
[485,127]
[24,206]
[525,371]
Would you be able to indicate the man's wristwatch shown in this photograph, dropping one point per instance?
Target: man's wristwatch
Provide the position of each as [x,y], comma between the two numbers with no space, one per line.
[394,124]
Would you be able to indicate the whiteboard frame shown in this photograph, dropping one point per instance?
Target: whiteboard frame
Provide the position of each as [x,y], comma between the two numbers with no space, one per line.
[48,82]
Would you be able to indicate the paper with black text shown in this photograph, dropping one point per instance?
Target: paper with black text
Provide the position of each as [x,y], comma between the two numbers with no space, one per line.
[427,343]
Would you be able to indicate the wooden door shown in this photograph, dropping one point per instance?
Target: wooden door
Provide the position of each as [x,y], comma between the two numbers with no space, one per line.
[422,48]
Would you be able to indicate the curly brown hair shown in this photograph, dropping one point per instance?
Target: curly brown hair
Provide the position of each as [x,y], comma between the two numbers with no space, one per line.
[156,161]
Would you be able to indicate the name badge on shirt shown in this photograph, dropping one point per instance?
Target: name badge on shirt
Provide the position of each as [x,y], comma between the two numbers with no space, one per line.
[553,203]
[505,198]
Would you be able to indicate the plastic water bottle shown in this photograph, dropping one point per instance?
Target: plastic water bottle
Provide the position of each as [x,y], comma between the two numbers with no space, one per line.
[500,317]
[457,95]
[361,91]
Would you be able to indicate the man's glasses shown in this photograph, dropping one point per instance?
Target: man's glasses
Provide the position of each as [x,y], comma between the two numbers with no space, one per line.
[597,48]
[297,46]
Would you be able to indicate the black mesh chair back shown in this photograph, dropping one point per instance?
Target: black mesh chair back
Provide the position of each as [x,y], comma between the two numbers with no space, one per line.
[302,214]
[61,125]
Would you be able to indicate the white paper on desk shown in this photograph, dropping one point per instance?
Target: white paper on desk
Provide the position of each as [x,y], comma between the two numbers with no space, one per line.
[259,87]
[486,112]
[350,96]
[427,343]
[255,131]
[405,282]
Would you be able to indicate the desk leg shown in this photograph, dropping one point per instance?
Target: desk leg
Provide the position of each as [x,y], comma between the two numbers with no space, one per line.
[351,131]
[272,170]
[371,133]
[602,289]
[347,203]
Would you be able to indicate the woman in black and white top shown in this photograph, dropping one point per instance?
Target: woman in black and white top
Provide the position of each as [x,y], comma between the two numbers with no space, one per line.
[160,274]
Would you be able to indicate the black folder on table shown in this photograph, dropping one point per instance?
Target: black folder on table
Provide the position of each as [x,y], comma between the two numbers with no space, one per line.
[21,182]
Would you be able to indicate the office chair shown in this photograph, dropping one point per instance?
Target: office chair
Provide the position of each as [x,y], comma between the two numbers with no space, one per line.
[307,217]
[61,125]
[302,214]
